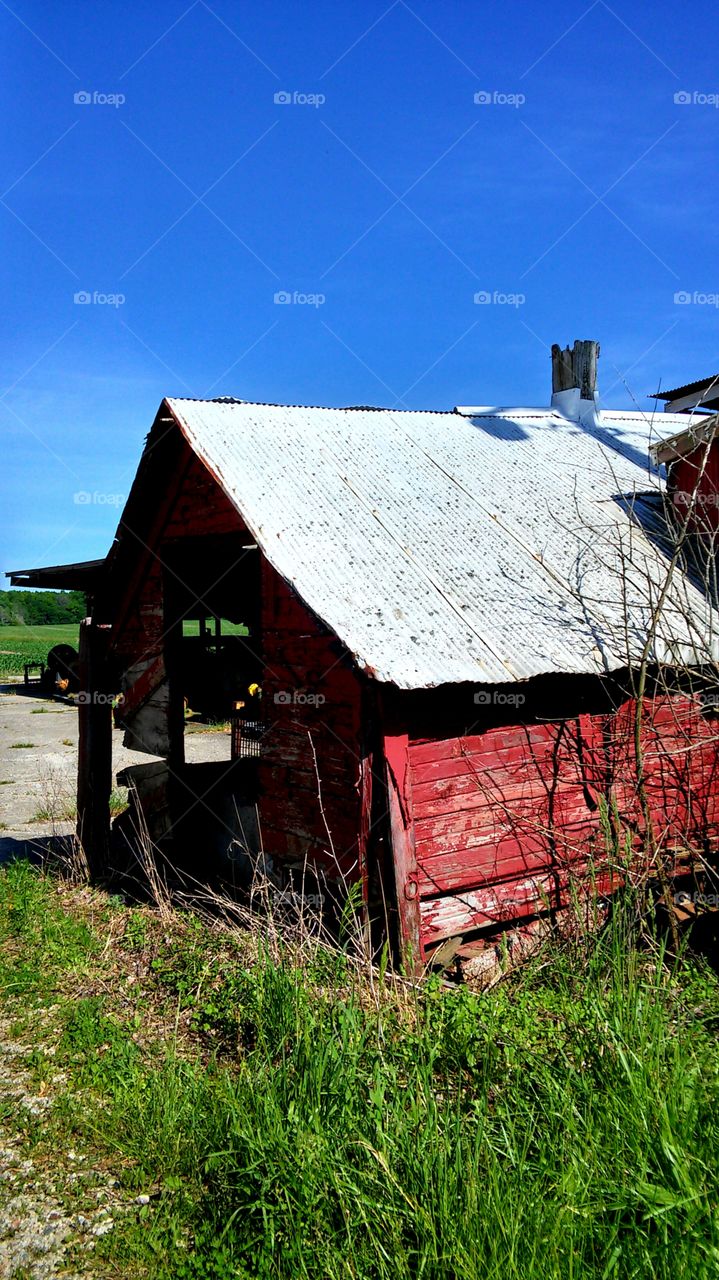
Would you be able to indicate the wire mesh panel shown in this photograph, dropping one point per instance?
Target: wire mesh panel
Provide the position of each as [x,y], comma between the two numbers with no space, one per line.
[247,732]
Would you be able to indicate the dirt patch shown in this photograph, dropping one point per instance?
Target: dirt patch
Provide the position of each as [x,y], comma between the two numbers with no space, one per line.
[41,778]
[37,1228]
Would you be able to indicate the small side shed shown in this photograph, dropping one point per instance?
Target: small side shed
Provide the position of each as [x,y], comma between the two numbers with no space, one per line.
[691,458]
[446,614]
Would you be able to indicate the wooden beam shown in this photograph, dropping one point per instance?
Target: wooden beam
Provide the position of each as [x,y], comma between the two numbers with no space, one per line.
[697,432]
[399,804]
[94,767]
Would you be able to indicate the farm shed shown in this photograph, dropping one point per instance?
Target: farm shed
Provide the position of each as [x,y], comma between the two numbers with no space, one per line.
[691,458]
[449,616]
[702,394]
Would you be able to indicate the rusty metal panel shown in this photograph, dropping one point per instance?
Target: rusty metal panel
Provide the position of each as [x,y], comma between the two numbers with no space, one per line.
[483,545]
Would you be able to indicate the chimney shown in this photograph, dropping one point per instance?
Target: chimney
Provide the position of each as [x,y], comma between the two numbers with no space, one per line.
[574,379]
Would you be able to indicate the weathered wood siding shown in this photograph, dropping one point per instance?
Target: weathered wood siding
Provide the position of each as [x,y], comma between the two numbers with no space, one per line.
[311,804]
[507,817]
[694,489]
[191,505]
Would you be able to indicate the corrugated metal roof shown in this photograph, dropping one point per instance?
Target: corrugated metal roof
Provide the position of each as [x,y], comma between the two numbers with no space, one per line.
[687,389]
[442,547]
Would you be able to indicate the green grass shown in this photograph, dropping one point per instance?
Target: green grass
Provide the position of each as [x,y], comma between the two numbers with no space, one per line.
[206,726]
[191,627]
[65,809]
[21,644]
[289,1125]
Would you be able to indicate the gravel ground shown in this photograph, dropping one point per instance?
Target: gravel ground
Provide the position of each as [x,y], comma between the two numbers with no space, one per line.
[38,1231]
[38,762]
[37,1228]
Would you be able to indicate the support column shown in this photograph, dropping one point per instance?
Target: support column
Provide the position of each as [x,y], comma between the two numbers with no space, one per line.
[94,765]
[399,803]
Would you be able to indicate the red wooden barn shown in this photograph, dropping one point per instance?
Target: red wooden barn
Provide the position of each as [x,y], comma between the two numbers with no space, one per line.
[445,614]
[691,458]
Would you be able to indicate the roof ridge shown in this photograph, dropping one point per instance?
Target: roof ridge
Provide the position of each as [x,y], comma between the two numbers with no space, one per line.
[331,408]
[498,411]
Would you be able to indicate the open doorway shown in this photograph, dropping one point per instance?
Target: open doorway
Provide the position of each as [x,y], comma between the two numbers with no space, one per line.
[213,659]
[214,645]
[221,679]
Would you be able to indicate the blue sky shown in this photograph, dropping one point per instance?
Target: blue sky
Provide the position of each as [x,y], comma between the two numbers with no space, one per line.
[580,189]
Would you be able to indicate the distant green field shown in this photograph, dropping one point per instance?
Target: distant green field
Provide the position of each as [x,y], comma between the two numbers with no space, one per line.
[191,627]
[22,644]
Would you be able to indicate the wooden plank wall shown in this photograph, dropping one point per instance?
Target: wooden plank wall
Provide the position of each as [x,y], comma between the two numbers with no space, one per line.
[196,507]
[305,663]
[693,486]
[505,819]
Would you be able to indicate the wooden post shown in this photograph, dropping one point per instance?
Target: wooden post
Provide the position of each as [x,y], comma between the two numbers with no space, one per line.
[94,765]
[399,804]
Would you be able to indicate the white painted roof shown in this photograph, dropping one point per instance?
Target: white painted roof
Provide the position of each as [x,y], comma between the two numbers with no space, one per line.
[481,546]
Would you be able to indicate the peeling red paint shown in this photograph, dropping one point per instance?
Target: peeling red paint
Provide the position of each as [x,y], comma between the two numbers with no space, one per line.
[492,807]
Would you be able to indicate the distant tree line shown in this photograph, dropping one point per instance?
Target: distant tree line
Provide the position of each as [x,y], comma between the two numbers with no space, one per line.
[41,608]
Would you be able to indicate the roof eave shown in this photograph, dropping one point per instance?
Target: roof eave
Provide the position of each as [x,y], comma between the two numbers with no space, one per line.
[82,576]
[682,443]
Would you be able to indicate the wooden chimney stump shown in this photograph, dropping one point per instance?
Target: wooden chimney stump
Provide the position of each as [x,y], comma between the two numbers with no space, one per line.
[576,367]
